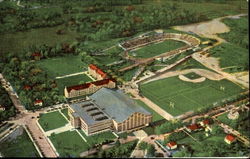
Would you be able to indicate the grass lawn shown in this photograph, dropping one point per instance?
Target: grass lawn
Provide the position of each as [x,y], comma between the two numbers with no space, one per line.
[192,75]
[52,120]
[21,146]
[65,112]
[61,66]
[14,42]
[187,96]
[157,48]
[104,60]
[70,81]
[156,116]
[69,144]
[98,138]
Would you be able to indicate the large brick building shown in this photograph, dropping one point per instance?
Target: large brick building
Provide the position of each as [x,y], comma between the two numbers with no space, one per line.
[108,109]
[90,87]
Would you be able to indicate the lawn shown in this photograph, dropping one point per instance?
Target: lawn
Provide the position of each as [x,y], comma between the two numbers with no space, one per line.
[156,116]
[98,138]
[21,146]
[65,112]
[72,80]
[52,120]
[69,144]
[192,75]
[177,96]
[157,48]
[16,42]
[61,66]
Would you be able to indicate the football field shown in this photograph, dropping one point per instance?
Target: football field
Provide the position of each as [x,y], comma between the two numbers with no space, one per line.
[177,96]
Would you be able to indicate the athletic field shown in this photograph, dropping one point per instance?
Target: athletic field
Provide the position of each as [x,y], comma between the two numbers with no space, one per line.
[177,96]
[157,49]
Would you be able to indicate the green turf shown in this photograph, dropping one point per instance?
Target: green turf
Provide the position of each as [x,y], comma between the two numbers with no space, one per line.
[65,112]
[72,80]
[187,96]
[98,138]
[22,146]
[61,66]
[69,144]
[52,120]
[157,48]
[192,75]
[155,115]
[15,42]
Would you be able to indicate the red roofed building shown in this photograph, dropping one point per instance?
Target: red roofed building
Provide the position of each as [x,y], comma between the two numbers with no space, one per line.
[27,87]
[38,103]
[171,145]
[229,139]
[96,72]
[193,127]
[204,122]
[36,55]
[88,88]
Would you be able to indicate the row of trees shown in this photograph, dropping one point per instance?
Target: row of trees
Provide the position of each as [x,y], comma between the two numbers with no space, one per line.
[168,127]
[6,102]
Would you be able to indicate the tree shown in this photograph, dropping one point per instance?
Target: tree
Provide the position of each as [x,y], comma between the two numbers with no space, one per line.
[151,150]
[143,145]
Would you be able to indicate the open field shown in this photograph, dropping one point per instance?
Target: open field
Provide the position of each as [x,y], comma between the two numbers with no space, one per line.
[98,138]
[65,112]
[16,42]
[156,116]
[21,146]
[157,48]
[177,97]
[62,65]
[52,120]
[72,80]
[69,144]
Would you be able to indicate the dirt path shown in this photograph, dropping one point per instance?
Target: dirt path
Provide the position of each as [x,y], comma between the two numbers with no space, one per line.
[204,73]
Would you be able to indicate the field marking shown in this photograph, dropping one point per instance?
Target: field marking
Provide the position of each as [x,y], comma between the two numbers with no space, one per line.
[69,75]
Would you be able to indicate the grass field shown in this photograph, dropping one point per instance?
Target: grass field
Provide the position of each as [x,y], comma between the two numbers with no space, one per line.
[62,65]
[72,80]
[53,120]
[65,112]
[14,42]
[69,144]
[157,48]
[22,146]
[156,116]
[98,138]
[187,96]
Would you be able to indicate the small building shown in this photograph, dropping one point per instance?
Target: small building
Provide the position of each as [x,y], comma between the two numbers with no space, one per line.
[193,127]
[38,103]
[171,145]
[229,138]
[204,122]
[96,72]
[36,55]
[27,87]
[2,108]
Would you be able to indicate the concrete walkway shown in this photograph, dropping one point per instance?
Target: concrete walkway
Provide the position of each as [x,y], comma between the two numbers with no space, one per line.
[64,128]
[69,75]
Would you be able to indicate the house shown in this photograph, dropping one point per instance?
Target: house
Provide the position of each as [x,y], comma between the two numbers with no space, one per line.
[108,109]
[2,108]
[96,72]
[204,123]
[193,127]
[88,88]
[27,87]
[36,55]
[229,139]
[38,103]
[171,145]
